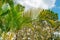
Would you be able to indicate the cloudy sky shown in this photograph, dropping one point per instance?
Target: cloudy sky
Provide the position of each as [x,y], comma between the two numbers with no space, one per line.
[57,8]
[45,4]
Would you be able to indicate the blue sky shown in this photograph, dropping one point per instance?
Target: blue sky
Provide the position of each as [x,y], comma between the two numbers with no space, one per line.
[44,4]
[57,8]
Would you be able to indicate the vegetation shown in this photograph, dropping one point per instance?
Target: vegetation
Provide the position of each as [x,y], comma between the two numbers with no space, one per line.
[15,24]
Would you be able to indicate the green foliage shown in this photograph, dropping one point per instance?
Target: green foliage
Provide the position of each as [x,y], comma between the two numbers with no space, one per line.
[10,16]
[12,19]
[48,15]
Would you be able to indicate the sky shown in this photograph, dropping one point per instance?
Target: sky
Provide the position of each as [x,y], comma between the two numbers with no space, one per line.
[57,8]
[44,4]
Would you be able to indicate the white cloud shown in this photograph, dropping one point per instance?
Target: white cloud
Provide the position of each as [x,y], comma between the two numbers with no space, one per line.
[45,4]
